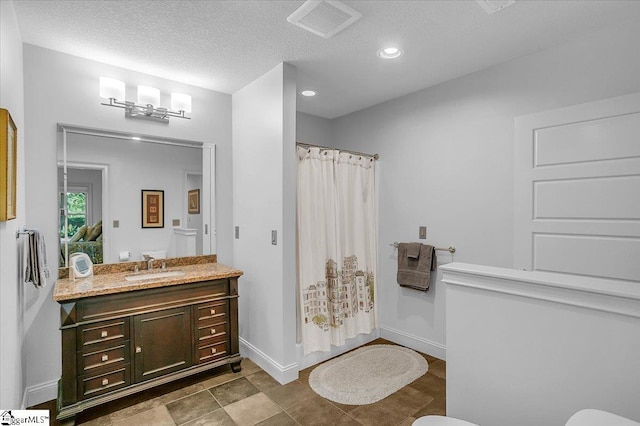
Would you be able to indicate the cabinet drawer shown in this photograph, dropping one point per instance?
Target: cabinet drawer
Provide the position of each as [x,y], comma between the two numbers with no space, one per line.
[212,332]
[137,302]
[207,312]
[96,385]
[109,356]
[212,352]
[107,331]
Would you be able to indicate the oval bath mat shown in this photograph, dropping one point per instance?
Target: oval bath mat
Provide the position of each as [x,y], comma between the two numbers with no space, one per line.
[367,374]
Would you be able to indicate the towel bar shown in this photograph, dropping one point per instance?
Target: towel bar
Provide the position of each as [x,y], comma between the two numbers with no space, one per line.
[450,249]
[23,231]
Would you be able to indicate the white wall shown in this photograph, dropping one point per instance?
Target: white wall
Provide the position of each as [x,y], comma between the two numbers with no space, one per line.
[61,88]
[12,366]
[446,161]
[134,166]
[532,348]
[264,200]
[312,129]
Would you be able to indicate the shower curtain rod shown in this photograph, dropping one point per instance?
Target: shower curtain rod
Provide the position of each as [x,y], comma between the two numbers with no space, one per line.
[374,156]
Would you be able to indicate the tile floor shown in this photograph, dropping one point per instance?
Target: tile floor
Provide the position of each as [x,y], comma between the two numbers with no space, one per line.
[252,397]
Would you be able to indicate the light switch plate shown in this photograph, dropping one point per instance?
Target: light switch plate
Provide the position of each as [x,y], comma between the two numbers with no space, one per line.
[175,222]
[274,237]
[116,224]
[237,232]
[423,233]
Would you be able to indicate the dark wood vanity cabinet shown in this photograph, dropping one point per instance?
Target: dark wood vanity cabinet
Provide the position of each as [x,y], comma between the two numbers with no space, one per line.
[118,344]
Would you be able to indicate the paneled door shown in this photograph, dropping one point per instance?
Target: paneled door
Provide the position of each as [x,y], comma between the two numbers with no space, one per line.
[577,190]
[162,342]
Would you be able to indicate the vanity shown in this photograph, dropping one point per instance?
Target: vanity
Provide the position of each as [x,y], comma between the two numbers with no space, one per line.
[124,331]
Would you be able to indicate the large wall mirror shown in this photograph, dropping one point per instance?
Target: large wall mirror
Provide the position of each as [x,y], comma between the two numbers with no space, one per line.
[124,195]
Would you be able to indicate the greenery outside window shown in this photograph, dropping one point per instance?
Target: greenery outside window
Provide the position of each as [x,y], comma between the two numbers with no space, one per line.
[76,213]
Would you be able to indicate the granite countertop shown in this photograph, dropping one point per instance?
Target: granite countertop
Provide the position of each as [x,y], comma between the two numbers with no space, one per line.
[110,283]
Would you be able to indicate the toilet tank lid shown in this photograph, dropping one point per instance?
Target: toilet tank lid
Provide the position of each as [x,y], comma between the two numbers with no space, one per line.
[591,417]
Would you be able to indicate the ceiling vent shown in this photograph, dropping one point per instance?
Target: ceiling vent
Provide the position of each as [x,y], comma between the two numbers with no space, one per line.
[492,6]
[325,18]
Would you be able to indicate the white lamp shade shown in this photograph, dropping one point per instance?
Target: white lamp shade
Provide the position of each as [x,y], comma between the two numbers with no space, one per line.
[180,102]
[111,88]
[148,95]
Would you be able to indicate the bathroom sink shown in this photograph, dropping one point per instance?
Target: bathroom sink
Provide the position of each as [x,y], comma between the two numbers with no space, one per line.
[153,275]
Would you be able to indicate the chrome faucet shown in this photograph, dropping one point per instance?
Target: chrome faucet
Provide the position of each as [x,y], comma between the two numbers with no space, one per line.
[149,260]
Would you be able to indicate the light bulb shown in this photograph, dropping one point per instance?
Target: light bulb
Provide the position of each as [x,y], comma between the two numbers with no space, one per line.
[111,88]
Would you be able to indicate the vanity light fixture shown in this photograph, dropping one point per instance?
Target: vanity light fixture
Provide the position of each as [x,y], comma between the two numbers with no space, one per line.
[308,93]
[390,52]
[148,98]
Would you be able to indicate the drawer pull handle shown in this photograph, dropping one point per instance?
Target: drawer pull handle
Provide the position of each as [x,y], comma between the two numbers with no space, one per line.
[105,382]
[213,312]
[105,358]
[213,331]
[104,333]
[138,349]
[213,350]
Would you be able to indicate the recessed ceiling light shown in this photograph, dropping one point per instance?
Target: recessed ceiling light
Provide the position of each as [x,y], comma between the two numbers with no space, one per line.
[135,138]
[308,92]
[389,52]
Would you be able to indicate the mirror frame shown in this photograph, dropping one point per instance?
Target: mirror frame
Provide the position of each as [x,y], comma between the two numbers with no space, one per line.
[208,197]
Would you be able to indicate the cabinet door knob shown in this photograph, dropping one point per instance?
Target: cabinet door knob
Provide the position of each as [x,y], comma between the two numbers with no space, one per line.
[104,333]
[105,357]
[138,349]
[213,312]
[213,331]
[213,350]
[105,382]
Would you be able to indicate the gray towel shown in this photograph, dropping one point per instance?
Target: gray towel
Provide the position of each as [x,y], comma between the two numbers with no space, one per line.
[37,270]
[416,273]
[413,250]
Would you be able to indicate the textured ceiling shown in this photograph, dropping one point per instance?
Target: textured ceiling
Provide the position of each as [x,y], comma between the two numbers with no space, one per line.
[224,45]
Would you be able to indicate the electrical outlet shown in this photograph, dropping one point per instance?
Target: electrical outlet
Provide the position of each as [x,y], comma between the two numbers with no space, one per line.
[423,233]
[175,222]
[237,232]
[116,224]
[274,237]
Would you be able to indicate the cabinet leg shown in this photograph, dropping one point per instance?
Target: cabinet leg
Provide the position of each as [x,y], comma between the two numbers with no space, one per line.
[69,421]
[236,367]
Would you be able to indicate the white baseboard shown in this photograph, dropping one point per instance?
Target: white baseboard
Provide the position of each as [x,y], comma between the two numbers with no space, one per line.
[40,393]
[305,361]
[416,343]
[283,374]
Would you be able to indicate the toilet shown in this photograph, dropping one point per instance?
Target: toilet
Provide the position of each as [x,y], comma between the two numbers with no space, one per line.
[588,417]
[440,421]
[591,417]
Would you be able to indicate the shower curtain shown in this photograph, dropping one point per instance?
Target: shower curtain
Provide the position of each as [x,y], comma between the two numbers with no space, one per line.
[336,247]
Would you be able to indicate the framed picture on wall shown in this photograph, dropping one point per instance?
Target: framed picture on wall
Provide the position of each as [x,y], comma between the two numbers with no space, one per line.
[152,208]
[8,148]
[193,200]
